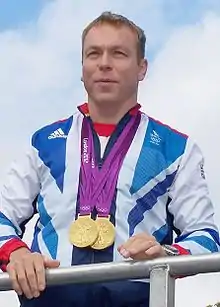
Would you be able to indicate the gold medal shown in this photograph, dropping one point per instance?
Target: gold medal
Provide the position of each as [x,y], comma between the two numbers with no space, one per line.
[83,232]
[106,235]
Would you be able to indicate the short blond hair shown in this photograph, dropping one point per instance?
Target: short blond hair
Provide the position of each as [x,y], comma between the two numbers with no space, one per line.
[118,21]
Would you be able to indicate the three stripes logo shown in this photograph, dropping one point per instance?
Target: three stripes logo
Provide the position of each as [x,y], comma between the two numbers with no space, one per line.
[155,138]
[57,134]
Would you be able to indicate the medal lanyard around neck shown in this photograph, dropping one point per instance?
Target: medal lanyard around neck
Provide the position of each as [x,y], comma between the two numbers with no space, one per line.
[97,185]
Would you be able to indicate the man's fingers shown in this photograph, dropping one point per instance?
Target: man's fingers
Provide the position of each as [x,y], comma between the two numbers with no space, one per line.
[51,263]
[27,272]
[138,250]
[123,249]
[31,276]
[40,264]
[22,278]
[153,251]
[137,246]
[40,272]
[140,247]
[14,280]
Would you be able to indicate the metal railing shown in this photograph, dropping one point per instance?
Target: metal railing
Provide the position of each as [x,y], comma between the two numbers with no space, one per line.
[162,273]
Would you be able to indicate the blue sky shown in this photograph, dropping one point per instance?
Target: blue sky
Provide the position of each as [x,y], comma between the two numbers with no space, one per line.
[159,17]
[17,13]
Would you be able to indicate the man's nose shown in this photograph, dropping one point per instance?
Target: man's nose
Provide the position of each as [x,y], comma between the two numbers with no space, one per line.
[105,62]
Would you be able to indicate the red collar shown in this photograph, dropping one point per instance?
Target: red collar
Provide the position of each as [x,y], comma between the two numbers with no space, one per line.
[103,129]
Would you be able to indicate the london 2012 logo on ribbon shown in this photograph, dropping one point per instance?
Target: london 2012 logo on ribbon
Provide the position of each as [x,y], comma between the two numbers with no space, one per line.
[85,151]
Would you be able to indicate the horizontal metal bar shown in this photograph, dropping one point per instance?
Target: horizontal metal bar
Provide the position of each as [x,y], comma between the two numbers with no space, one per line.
[179,265]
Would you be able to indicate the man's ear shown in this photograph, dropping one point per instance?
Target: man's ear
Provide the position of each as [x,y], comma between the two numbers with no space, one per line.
[143,69]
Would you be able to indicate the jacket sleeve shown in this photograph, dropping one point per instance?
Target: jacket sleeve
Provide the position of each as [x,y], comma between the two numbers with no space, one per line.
[20,189]
[191,206]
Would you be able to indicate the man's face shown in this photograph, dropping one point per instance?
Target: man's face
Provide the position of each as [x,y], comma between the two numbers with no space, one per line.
[111,69]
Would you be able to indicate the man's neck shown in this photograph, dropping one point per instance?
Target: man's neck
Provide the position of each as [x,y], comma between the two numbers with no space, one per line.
[109,113]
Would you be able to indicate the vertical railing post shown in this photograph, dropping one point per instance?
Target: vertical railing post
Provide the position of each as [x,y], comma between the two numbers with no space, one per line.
[162,287]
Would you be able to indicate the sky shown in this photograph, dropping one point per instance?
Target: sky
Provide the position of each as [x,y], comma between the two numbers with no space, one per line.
[40,72]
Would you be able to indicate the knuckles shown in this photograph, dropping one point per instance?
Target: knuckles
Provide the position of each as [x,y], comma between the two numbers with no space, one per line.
[142,246]
[21,278]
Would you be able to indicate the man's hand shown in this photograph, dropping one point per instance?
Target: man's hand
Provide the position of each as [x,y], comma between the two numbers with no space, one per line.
[27,272]
[141,247]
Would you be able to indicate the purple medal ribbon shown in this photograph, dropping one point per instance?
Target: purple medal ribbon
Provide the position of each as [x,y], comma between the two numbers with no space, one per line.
[87,164]
[97,186]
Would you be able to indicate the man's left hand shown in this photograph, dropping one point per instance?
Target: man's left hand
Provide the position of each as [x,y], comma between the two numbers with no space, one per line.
[141,247]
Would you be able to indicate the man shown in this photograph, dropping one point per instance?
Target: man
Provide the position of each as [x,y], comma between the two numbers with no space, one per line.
[109,183]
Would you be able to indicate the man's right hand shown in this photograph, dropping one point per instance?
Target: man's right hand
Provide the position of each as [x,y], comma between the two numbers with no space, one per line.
[27,272]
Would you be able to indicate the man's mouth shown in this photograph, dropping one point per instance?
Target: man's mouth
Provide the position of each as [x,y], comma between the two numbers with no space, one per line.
[106,81]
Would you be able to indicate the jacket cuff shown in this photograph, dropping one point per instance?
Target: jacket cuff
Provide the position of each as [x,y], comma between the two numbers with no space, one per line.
[7,249]
[181,250]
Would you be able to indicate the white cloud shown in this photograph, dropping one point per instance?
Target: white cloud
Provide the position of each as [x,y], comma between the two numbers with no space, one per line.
[40,82]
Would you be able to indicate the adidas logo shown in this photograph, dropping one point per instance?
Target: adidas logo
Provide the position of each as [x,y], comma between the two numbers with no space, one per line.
[57,134]
[155,138]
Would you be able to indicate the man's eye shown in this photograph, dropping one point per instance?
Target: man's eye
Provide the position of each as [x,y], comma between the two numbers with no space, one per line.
[92,53]
[121,53]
